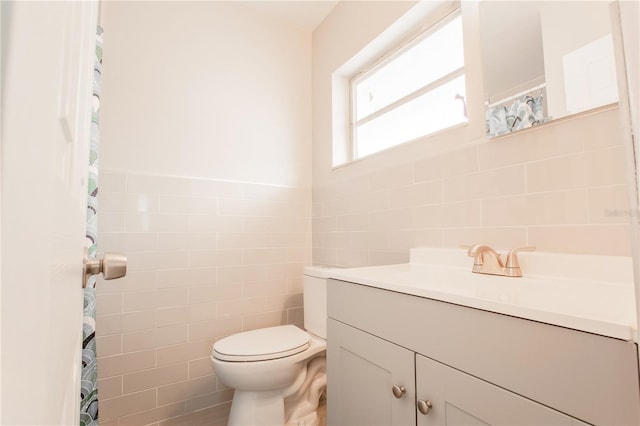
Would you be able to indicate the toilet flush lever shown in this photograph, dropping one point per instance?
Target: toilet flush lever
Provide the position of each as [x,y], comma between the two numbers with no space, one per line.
[111,266]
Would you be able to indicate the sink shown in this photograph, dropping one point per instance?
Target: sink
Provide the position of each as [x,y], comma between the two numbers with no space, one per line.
[584,292]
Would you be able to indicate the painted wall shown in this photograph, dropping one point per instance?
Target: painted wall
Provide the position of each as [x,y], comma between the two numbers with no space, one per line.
[205,184]
[205,89]
[561,187]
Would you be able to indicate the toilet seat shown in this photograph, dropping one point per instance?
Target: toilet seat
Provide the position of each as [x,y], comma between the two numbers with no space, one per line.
[262,344]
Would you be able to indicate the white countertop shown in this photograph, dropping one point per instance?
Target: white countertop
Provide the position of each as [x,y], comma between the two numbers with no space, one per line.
[597,297]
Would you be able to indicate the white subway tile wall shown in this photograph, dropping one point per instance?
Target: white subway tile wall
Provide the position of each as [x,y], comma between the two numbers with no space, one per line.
[561,187]
[206,259]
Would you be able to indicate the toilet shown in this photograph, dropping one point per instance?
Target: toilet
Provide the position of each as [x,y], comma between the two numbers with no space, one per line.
[279,373]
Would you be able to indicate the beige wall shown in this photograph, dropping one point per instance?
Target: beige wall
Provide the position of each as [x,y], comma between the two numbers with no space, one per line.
[561,187]
[205,184]
[205,89]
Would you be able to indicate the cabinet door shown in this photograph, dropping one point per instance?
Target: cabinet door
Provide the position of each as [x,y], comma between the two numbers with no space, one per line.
[459,399]
[362,370]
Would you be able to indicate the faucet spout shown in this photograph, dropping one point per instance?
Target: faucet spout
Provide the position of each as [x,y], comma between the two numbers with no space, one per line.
[485,260]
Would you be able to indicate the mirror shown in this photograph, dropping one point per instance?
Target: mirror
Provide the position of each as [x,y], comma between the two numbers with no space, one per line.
[542,60]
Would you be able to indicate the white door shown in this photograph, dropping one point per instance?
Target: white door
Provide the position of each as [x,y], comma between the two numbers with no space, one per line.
[47,56]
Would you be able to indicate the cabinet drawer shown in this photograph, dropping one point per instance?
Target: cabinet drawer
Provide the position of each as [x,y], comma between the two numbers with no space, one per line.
[587,376]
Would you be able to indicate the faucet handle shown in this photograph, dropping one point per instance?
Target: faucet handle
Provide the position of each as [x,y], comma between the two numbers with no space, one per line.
[512,256]
[478,249]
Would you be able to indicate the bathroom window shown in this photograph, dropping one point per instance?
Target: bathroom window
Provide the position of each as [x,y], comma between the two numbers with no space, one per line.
[416,90]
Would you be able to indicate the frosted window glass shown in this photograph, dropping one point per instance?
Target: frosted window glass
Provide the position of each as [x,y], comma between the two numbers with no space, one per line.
[433,111]
[431,58]
[418,90]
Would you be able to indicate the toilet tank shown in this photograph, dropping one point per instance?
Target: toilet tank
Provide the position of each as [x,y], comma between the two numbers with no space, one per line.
[315,299]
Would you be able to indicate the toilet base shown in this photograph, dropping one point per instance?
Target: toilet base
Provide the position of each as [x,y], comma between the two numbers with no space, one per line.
[257,409]
[281,407]
[301,407]
[311,419]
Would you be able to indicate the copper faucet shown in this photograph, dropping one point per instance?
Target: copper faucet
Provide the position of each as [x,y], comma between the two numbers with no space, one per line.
[488,261]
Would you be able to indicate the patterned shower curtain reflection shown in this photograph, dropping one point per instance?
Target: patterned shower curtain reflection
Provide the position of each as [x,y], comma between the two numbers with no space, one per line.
[89,381]
[523,111]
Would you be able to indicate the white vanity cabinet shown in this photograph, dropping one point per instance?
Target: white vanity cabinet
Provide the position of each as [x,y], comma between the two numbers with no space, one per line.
[472,366]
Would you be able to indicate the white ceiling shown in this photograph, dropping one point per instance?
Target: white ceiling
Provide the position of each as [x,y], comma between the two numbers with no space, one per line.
[303,14]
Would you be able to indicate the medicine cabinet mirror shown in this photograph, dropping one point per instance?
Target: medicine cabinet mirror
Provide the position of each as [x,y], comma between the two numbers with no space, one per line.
[543,60]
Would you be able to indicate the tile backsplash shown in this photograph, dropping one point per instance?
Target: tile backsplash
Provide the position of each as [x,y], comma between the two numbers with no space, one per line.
[561,187]
[207,258]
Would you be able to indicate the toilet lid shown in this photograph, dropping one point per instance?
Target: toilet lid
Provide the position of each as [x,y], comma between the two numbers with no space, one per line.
[262,344]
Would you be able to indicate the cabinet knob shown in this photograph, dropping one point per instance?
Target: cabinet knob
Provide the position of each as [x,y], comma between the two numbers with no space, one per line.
[424,406]
[398,391]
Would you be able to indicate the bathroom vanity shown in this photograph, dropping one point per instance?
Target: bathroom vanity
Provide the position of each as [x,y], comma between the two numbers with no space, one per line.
[414,344]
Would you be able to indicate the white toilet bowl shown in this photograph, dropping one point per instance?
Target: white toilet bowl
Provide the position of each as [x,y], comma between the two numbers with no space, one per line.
[262,380]
[278,373]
